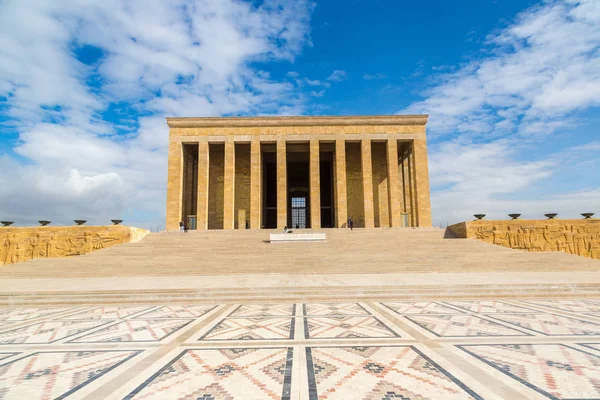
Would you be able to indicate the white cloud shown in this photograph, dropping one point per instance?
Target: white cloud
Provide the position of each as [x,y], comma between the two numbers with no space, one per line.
[542,67]
[378,75]
[194,53]
[499,108]
[337,76]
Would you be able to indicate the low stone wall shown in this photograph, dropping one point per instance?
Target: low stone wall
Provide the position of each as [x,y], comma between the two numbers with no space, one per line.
[574,236]
[23,244]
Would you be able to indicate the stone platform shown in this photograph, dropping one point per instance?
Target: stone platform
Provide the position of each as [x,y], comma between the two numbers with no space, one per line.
[372,314]
[455,349]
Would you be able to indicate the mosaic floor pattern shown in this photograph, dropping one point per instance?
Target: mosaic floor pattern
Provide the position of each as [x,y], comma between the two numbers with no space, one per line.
[334,309]
[222,374]
[554,370]
[361,372]
[458,349]
[8,314]
[420,308]
[551,324]
[152,330]
[257,328]
[462,326]
[47,332]
[489,307]
[107,313]
[348,327]
[49,375]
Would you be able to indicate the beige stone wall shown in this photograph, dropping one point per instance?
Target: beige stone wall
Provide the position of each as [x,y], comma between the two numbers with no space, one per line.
[216,188]
[354,184]
[380,184]
[242,183]
[574,236]
[417,130]
[23,244]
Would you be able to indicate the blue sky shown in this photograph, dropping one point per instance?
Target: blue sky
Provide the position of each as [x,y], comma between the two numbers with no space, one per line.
[512,89]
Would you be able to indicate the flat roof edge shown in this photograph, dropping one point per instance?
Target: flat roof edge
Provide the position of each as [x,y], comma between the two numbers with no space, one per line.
[200,122]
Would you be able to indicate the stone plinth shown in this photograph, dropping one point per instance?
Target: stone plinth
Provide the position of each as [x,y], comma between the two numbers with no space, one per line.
[573,236]
[297,237]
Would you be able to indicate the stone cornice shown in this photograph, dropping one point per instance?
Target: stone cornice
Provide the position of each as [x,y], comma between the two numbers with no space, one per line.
[297,121]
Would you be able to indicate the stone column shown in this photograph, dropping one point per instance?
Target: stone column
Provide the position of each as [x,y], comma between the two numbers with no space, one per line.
[393,182]
[255,184]
[315,185]
[367,170]
[174,186]
[229,186]
[341,201]
[281,184]
[421,176]
[410,181]
[203,169]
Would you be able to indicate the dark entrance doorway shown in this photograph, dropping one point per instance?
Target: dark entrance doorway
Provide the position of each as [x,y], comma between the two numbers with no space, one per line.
[298,180]
[299,216]
[269,184]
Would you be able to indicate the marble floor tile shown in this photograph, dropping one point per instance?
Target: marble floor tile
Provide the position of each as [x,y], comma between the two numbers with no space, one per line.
[553,370]
[23,314]
[4,356]
[551,324]
[47,332]
[422,307]
[56,374]
[595,346]
[264,310]
[176,311]
[346,327]
[135,331]
[377,373]
[319,309]
[226,373]
[462,326]
[489,307]
[256,328]
[567,305]
[106,313]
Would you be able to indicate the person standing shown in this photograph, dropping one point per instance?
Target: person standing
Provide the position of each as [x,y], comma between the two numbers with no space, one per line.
[351,223]
[181,226]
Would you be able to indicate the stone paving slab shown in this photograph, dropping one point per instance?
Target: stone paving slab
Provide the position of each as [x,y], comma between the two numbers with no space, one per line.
[517,349]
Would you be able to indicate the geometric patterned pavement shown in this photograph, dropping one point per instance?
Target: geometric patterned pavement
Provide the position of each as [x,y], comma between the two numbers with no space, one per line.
[459,349]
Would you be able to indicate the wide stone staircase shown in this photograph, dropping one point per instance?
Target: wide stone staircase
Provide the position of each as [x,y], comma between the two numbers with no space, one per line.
[241,266]
[363,251]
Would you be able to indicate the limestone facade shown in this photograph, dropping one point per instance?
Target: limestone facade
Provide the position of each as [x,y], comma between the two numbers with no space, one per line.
[23,244]
[573,236]
[313,172]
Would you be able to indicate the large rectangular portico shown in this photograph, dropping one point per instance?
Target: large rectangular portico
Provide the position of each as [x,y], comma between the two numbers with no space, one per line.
[305,172]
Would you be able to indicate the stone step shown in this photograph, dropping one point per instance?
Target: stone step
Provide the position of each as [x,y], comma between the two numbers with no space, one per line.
[326,294]
[235,252]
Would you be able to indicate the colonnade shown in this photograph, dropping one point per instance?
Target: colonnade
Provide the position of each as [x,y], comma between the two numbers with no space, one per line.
[407,183]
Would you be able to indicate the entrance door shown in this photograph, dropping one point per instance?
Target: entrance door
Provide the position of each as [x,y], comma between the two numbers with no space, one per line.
[192,222]
[299,212]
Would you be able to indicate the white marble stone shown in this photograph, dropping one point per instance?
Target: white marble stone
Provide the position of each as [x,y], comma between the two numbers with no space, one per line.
[296,237]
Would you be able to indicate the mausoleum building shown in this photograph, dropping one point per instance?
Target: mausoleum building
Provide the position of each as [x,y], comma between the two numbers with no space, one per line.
[304,172]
